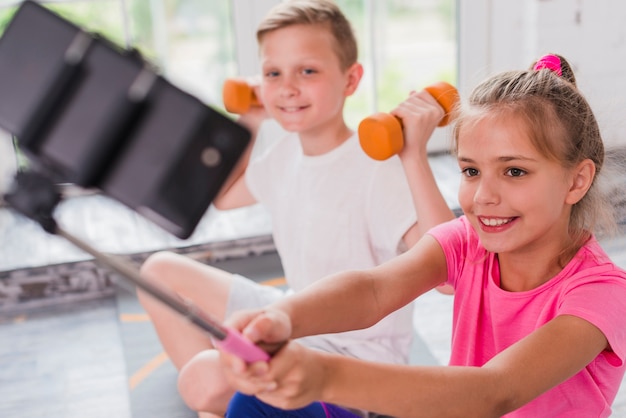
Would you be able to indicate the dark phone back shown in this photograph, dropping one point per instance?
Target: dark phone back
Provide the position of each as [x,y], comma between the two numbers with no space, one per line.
[90,113]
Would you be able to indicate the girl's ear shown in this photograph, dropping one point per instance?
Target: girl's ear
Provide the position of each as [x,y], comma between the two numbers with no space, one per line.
[354,74]
[582,178]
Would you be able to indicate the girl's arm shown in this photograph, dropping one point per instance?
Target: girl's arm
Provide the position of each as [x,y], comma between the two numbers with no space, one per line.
[297,376]
[349,300]
[420,114]
[359,299]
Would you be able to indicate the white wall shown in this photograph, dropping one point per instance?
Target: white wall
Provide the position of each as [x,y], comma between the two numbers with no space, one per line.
[500,35]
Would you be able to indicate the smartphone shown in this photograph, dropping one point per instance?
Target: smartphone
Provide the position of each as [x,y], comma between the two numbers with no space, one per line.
[90,113]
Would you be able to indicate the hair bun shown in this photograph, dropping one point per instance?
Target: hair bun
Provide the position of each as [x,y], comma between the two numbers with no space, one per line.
[557,64]
[551,62]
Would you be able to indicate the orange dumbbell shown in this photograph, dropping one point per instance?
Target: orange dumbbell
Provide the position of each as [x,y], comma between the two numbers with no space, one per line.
[238,96]
[381,133]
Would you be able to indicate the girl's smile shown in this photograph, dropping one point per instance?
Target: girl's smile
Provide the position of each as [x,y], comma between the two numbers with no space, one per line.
[495,224]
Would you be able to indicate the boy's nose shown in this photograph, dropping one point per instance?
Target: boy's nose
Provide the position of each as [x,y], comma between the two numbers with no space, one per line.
[288,87]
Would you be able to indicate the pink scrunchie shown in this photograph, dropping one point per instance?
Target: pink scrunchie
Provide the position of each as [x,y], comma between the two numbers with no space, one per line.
[551,62]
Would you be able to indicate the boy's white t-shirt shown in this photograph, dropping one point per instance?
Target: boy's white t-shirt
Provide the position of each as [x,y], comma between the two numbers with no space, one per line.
[335,212]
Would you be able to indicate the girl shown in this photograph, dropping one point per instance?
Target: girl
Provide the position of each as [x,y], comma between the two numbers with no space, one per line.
[539,311]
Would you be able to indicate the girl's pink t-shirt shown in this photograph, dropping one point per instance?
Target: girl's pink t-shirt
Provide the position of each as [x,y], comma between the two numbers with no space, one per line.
[488,319]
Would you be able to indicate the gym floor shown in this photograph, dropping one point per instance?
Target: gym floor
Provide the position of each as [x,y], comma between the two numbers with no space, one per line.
[74,345]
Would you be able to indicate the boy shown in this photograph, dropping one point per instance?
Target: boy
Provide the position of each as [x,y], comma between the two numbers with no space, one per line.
[332,207]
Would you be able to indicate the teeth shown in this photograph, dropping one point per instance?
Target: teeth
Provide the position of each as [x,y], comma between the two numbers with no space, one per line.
[494,221]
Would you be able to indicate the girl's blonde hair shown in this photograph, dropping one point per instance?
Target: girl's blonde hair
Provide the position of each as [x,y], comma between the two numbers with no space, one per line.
[561,126]
[324,13]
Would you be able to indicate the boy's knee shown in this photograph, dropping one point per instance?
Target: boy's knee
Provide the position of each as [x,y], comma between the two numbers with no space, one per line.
[156,264]
[156,269]
[202,385]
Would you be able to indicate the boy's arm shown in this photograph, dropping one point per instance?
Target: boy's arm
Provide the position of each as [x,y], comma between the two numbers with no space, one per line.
[234,193]
[420,114]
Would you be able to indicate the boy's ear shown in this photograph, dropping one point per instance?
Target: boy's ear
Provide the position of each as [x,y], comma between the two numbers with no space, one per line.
[355,72]
[582,178]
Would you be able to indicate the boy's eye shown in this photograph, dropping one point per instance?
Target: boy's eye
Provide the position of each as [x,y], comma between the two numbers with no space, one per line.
[271,74]
[308,71]
[469,172]
[515,172]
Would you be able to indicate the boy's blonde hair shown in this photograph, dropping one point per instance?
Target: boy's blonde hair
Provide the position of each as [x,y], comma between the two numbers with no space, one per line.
[561,126]
[324,13]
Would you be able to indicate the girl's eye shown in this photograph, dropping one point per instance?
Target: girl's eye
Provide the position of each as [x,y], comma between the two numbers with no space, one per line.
[271,74]
[469,172]
[308,71]
[515,172]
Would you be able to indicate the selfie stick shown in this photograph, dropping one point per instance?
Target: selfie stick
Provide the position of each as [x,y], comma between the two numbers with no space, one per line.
[223,337]
[34,196]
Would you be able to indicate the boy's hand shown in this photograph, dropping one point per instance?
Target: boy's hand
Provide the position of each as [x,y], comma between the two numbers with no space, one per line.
[420,115]
[253,118]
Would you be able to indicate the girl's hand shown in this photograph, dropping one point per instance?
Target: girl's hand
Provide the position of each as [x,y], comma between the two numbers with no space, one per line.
[268,327]
[292,379]
[420,115]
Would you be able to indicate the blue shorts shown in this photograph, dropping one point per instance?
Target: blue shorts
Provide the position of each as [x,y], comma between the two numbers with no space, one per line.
[243,406]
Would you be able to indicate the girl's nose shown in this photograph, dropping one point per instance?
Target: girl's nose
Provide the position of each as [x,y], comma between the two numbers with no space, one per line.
[486,193]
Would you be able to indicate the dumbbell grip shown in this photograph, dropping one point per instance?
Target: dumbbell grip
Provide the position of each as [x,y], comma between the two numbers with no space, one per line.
[381,134]
[238,96]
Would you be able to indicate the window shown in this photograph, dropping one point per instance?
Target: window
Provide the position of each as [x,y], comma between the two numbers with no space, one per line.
[404,45]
